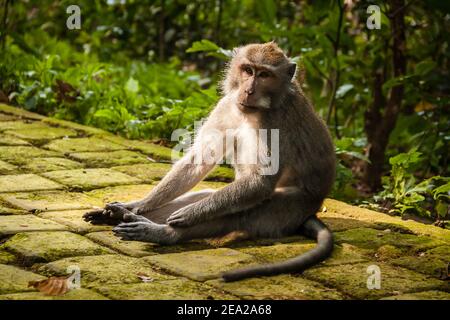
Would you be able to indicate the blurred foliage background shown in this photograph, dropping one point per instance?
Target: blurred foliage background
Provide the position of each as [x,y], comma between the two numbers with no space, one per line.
[145,68]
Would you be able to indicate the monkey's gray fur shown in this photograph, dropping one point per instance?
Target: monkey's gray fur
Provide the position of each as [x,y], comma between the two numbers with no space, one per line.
[277,205]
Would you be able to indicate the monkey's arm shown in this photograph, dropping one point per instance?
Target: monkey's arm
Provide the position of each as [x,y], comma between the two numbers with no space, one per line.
[183,176]
[240,195]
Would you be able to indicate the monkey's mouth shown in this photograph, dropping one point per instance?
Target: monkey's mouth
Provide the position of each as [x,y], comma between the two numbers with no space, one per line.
[249,107]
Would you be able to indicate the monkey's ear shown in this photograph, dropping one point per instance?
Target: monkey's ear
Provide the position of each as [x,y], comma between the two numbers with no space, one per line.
[291,69]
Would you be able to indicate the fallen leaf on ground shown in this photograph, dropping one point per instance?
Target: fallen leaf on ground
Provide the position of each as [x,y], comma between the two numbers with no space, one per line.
[53,286]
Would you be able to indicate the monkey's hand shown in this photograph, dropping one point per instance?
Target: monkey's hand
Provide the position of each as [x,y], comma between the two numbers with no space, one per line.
[184,217]
[142,229]
[112,214]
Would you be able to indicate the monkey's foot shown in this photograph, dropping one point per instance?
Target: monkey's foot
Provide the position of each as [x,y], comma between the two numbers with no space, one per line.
[184,217]
[100,216]
[146,231]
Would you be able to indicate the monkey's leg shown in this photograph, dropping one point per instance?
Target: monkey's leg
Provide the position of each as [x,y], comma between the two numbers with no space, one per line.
[159,215]
[280,216]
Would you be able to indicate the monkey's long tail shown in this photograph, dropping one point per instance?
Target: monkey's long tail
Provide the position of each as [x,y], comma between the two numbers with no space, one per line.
[313,228]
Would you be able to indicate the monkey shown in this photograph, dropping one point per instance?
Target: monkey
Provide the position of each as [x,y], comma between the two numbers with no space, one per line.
[260,92]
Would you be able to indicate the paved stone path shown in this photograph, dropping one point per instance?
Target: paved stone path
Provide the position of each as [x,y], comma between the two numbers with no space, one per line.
[52,171]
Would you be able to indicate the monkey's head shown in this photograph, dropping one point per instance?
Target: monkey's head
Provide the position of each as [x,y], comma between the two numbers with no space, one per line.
[259,74]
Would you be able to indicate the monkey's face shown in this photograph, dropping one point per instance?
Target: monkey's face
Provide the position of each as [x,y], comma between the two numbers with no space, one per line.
[256,87]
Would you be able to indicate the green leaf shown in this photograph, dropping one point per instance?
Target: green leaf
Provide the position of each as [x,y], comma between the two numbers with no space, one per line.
[211,48]
[424,67]
[267,11]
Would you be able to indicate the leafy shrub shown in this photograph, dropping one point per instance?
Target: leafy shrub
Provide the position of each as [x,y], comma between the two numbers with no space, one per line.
[429,198]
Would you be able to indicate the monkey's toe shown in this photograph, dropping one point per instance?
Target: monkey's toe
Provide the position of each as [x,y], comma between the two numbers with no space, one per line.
[100,217]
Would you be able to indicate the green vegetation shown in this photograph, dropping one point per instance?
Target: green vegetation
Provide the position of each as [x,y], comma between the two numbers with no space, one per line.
[145,68]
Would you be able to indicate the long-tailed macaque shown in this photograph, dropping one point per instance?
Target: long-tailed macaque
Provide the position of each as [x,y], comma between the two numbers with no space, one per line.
[259,92]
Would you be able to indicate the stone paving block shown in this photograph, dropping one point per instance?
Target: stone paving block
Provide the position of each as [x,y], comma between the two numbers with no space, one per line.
[50,200]
[7,117]
[6,168]
[278,288]
[74,126]
[268,254]
[337,222]
[351,279]
[44,246]
[142,249]
[39,165]
[202,265]
[424,295]
[178,289]
[104,270]
[147,172]
[21,155]
[82,145]
[108,159]
[152,150]
[14,279]
[6,257]
[25,223]
[433,262]
[26,182]
[74,220]
[373,239]
[41,135]
[6,140]
[19,112]
[76,294]
[7,210]
[86,179]
[22,125]
[382,218]
[120,193]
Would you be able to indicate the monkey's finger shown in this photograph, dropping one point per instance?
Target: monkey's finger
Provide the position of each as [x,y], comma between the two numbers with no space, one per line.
[117,211]
[92,214]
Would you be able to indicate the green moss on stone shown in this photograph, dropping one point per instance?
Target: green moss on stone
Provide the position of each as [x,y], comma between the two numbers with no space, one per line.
[337,222]
[7,210]
[152,150]
[50,200]
[41,135]
[6,168]
[120,193]
[21,155]
[373,239]
[433,262]
[82,145]
[104,269]
[377,218]
[39,165]
[26,182]
[277,253]
[108,159]
[209,185]
[6,140]
[27,223]
[425,295]
[179,289]
[13,279]
[22,125]
[6,257]
[201,265]
[7,117]
[74,220]
[76,294]
[74,126]
[20,112]
[352,279]
[44,246]
[86,179]
[147,172]
[282,287]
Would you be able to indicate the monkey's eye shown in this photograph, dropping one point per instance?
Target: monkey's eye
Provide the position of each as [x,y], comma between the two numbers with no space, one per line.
[265,74]
[248,71]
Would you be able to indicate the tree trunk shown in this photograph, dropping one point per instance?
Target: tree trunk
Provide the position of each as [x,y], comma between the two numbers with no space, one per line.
[378,124]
